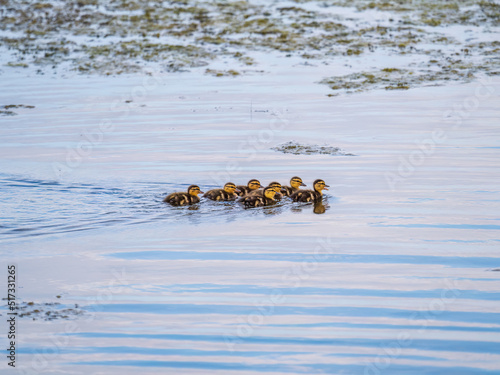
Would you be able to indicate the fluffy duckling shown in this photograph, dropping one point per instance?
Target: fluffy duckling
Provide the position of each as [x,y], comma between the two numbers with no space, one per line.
[228,193]
[277,188]
[295,184]
[183,199]
[311,195]
[251,186]
[265,198]
[275,185]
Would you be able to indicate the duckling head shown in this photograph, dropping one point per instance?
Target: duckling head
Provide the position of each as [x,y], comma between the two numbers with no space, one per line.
[320,185]
[230,188]
[296,182]
[269,192]
[194,190]
[276,186]
[254,184]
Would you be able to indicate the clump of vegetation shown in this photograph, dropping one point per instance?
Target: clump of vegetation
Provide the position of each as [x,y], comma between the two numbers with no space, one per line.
[6,109]
[47,311]
[491,10]
[125,36]
[295,148]
[222,73]
[435,73]
[388,78]
[432,12]
[17,64]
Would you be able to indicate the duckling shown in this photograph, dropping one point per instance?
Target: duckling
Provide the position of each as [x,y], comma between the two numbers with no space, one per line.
[295,184]
[310,195]
[183,199]
[251,186]
[264,198]
[228,193]
[275,185]
[277,188]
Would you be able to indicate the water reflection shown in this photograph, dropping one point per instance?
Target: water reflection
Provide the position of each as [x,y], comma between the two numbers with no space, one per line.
[319,208]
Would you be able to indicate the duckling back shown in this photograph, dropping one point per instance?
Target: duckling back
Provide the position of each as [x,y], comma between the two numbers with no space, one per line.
[220,195]
[257,193]
[306,196]
[181,199]
[287,191]
[256,200]
[244,190]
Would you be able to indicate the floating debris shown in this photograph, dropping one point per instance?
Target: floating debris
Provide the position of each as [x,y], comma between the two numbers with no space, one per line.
[222,73]
[7,113]
[301,149]
[404,79]
[48,310]
[6,109]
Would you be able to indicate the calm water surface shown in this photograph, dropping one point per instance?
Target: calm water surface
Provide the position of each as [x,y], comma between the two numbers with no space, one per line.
[398,276]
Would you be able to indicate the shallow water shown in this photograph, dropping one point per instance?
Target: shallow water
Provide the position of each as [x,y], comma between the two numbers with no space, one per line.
[398,276]
[385,281]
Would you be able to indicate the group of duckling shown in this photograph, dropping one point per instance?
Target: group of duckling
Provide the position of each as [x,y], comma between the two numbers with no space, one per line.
[253,194]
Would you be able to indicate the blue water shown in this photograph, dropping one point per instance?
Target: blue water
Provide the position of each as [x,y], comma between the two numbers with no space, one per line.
[385,281]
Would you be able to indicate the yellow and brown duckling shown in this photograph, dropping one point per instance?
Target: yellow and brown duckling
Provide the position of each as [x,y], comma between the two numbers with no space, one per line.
[252,185]
[295,184]
[311,195]
[277,188]
[275,185]
[262,198]
[228,193]
[184,199]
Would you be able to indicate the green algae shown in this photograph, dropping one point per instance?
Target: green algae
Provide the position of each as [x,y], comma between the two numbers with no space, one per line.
[201,25]
[388,78]
[125,36]
[222,73]
[17,64]
[436,74]
[48,311]
[432,12]
[5,110]
[295,148]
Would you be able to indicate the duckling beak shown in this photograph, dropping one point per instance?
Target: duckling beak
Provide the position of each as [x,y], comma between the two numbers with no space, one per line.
[237,190]
[302,184]
[201,192]
[326,187]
